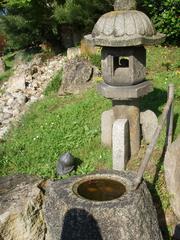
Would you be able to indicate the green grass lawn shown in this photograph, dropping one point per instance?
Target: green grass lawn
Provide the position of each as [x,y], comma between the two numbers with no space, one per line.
[55,125]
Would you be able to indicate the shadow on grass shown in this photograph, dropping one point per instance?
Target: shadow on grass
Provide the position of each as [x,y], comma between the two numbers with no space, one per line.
[175,122]
[154,100]
[77,163]
[156,199]
[160,212]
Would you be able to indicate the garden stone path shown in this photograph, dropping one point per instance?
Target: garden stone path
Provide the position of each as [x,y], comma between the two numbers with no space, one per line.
[24,87]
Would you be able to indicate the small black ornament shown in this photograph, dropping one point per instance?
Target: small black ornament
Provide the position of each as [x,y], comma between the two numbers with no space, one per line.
[65,164]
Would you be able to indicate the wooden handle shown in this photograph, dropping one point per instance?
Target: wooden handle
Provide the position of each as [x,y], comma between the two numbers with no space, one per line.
[151,146]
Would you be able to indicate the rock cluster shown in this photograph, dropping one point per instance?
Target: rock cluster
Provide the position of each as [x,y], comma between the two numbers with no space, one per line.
[70,216]
[149,123]
[25,86]
[77,76]
[34,209]
[21,216]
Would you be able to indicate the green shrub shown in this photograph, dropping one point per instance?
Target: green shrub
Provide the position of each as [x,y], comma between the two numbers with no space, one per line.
[5,76]
[9,63]
[95,59]
[8,60]
[31,22]
[165,16]
[81,14]
[18,31]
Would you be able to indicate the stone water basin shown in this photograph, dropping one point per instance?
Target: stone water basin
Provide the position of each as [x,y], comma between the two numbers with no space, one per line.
[100,206]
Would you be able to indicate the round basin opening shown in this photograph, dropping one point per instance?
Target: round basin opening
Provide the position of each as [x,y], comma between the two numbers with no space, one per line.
[101,189]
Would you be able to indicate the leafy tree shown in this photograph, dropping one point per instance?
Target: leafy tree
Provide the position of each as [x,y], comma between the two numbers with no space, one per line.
[165,16]
[30,22]
[81,14]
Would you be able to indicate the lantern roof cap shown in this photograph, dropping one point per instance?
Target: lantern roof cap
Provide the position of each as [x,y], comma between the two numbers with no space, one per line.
[124,27]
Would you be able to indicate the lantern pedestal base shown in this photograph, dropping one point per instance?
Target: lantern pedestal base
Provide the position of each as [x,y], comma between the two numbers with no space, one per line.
[122,110]
[129,110]
[125,106]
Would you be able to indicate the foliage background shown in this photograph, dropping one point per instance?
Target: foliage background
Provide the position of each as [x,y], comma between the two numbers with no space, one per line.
[165,15]
[29,22]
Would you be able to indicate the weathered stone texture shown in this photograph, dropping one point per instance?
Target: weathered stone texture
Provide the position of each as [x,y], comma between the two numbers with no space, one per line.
[124,5]
[172,175]
[73,52]
[149,123]
[21,215]
[31,209]
[124,28]
[120,144]
[17,82]
[125,92]
[130,110]
[130,217]
[123,66]
[77,74]
[107,120]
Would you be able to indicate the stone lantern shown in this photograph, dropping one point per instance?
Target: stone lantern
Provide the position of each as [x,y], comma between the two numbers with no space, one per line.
[122,35]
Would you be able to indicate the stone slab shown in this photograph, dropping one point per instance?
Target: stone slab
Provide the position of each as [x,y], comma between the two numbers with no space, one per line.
[125,92]
[130,110]
[73,52]
[120,141]
[172,175]
[17,82]
[149,123]
[77,76]
[21,216]
[107,119]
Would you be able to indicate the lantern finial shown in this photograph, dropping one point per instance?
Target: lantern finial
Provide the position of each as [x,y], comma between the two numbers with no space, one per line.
[124,5]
